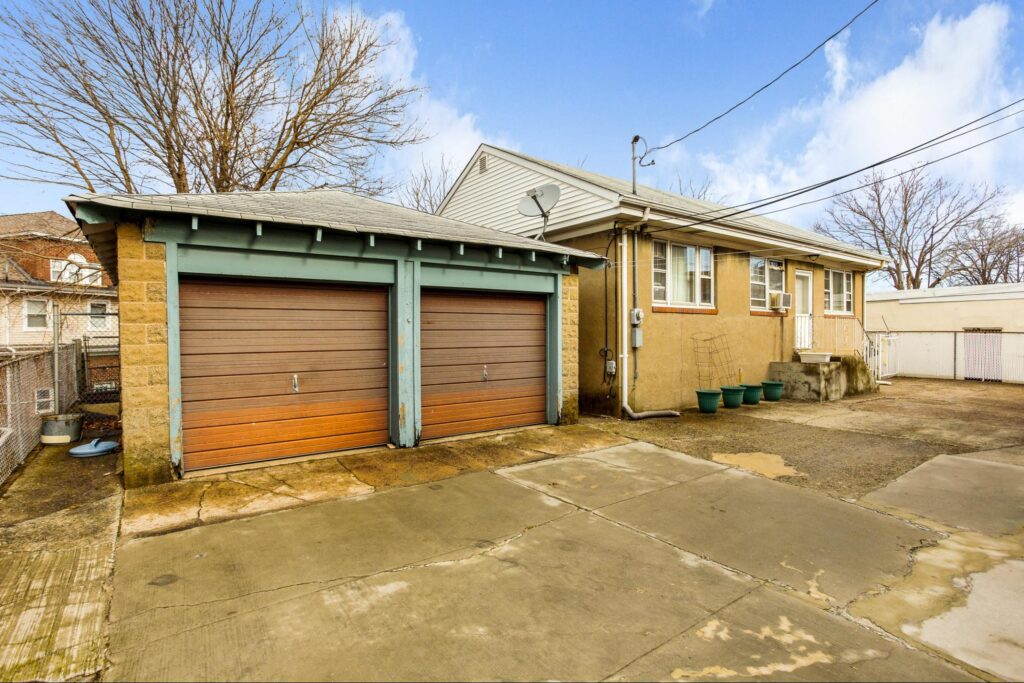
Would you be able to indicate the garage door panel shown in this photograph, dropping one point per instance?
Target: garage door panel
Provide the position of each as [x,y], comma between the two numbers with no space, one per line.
[440,394]
[445,357]
[243,343]
[456,374]
[464,334]
[287,361]
[230,456]
[237,411]
[276,431]
[459,303]
[434,431]
[470,338]
[469,408]
[242,386]
[482,321]
[229,342]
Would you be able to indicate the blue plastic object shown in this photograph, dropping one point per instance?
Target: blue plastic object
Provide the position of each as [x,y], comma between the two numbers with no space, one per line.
[93,448]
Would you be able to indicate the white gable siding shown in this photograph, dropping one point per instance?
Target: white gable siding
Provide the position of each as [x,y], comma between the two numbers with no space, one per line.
[490,198]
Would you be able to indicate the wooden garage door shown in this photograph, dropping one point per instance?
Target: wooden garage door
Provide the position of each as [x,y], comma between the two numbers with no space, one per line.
[272,370]
[483,362]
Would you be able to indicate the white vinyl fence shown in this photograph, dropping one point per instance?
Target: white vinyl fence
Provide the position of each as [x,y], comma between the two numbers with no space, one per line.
[985,355]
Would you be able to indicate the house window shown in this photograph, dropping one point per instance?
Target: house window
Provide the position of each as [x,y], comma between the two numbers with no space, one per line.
[74,269]
[683,275]
[44,401]
[98,315]
[36,317]
[839,292]
[767,276]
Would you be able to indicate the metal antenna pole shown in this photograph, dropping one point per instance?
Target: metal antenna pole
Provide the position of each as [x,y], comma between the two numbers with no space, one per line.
[636,139]
[56,357]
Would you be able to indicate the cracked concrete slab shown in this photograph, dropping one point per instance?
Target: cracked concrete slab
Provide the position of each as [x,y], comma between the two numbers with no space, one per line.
[607,476]
[965,493]
[768,635]
[828,549]
[576,597]
[198,576]
[987,631]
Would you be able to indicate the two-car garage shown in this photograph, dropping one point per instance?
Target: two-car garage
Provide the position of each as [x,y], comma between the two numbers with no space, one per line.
[271,369]
[258,326]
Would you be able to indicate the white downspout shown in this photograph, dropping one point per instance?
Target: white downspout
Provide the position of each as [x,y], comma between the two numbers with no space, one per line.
[625,345]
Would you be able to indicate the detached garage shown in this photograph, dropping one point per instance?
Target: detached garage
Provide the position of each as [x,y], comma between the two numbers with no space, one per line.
[261,326]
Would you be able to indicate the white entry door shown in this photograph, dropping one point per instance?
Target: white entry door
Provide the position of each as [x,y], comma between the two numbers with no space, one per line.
[804,309]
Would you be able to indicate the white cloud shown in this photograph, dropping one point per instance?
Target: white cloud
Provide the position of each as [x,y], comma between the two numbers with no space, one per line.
[703,7]
[452,134]
[956,73]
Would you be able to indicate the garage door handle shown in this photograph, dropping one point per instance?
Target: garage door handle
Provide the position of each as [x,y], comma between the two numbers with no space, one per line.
[295,383]
[485,373]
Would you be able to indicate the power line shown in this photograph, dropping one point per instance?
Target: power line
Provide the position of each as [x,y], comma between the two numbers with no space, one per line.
[757,204]
[762,88]
[920,147]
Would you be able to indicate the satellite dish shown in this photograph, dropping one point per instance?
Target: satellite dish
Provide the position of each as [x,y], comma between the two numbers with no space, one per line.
[539,201]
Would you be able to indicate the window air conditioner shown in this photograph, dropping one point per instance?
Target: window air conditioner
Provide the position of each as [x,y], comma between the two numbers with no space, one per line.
[781,300]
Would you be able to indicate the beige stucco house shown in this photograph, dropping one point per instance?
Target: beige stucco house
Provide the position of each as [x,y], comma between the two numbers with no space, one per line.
[947,309]
[689,300]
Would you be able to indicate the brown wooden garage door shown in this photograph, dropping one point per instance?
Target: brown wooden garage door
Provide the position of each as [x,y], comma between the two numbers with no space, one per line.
[272,370]
[482,362]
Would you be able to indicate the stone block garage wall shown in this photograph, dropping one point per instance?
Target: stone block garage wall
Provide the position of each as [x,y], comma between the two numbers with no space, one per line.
[142,287]
[570,413]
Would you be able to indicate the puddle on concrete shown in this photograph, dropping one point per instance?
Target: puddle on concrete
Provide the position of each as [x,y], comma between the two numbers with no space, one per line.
[935,598]
[766,464]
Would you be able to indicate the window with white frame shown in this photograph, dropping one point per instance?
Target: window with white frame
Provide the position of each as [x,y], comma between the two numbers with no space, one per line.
[74,269]
[767,277]
[36,314]
[839,292]
[683,275]
[44,401]
[98,319]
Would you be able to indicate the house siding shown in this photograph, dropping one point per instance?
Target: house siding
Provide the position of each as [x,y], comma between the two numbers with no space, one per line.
[491,198]
[666,365]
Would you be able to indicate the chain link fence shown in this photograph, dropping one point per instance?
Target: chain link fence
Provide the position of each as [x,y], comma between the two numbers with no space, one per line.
[27,395]
[98,359]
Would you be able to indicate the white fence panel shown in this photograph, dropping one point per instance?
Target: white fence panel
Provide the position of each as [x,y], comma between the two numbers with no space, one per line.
[926,354]
[1013,357]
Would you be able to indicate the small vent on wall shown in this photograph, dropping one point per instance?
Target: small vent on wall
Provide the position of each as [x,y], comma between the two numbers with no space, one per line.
[482,164]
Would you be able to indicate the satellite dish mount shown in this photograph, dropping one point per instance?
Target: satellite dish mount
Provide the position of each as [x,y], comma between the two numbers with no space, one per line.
[538,202]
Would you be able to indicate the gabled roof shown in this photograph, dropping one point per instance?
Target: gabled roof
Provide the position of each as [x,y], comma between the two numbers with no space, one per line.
[39,224]
[328,209]
[679,205]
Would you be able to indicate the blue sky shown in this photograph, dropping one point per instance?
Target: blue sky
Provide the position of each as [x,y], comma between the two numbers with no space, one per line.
[573,81]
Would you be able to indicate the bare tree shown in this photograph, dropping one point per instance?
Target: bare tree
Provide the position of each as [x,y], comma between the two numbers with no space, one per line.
[988,253]
[914,222]
[196,95]
[427,187]
[694,190]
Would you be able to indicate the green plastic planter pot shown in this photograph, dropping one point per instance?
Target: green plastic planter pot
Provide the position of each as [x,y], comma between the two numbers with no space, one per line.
[772,390]
[707,400]
[732,397]
[751,394]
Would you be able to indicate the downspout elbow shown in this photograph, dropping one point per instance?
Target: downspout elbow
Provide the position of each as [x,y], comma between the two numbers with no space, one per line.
[647,413]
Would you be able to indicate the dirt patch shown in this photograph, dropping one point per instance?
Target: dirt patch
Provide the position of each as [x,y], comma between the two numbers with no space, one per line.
[766,464]
[842,463]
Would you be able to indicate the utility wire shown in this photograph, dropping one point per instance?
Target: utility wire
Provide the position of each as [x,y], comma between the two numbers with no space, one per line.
[738,209]
[927,144]
[759,90]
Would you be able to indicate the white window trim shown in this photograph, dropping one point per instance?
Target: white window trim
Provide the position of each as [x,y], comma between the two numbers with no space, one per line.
[848,280]
[104,318]
[48,399]
[24,318]
[768,291]
[665,303]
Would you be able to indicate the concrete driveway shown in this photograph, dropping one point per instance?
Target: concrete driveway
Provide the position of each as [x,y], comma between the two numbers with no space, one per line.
[630,563]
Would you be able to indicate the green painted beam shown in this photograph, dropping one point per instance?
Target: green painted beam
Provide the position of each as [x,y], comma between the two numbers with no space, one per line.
[554,353]
[404,346]
[227,262]
[174,356]
[456,277]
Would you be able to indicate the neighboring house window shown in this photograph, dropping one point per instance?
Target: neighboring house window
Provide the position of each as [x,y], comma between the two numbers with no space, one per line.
[44,401]
[36,314]
[74,269]
[98,315]
[683,275]
[767,276]
[839,292]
